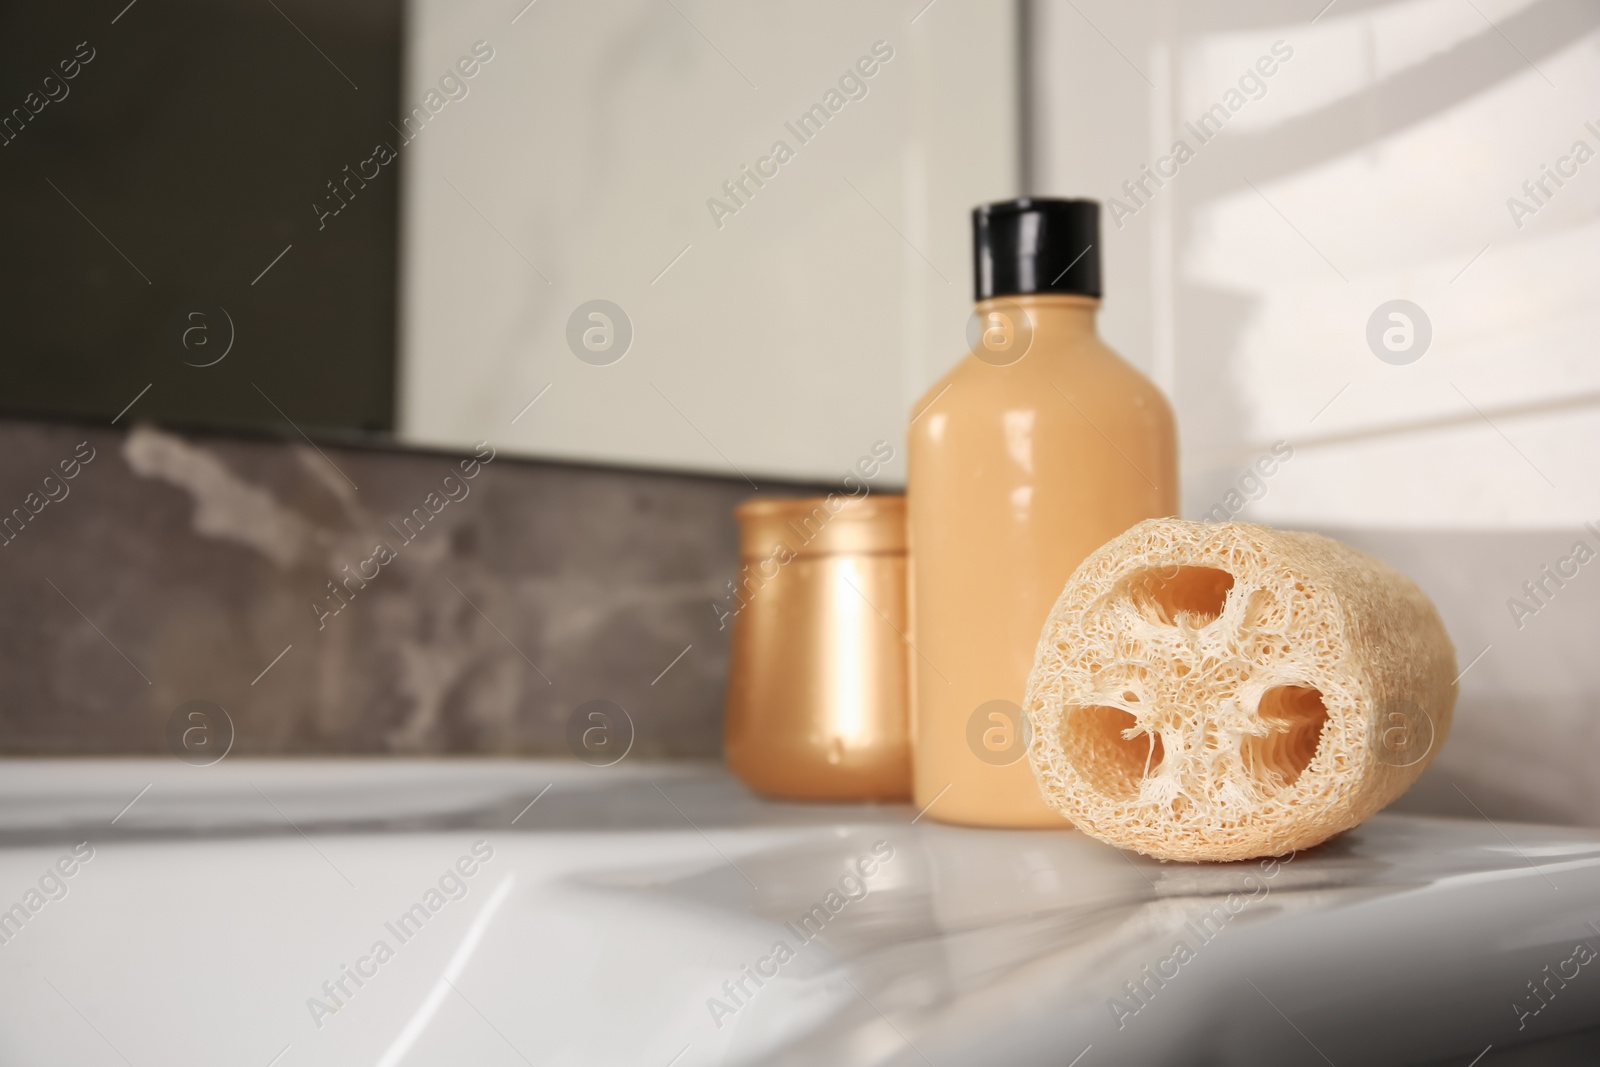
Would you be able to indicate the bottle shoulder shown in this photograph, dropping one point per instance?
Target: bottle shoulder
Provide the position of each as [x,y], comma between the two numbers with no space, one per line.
[1089,377]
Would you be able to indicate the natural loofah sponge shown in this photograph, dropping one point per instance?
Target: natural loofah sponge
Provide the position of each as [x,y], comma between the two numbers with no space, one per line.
[1222,691]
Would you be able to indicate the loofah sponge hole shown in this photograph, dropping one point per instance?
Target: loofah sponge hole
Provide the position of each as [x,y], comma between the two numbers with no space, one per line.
[1295,716]
[1170,596]
[1109,749]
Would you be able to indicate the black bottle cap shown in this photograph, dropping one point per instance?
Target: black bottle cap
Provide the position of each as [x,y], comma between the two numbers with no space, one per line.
[1036,246]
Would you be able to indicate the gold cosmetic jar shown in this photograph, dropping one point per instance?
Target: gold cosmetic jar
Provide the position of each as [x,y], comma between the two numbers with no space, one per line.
[817,703]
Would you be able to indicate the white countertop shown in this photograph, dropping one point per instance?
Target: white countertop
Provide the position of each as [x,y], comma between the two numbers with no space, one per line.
[614,919]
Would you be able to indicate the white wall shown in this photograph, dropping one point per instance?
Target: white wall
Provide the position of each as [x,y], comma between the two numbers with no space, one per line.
[783,343]
[1376,166]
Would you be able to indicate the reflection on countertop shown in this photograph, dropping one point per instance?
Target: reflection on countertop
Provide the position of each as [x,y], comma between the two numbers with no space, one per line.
[729,929]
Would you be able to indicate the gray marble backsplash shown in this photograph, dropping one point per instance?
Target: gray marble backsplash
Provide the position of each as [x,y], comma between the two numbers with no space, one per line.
[351,599]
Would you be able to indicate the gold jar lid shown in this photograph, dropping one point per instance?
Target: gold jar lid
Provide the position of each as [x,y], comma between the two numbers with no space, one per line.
[830,525]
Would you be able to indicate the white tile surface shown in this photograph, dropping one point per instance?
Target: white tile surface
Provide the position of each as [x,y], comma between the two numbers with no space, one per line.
[1377,164]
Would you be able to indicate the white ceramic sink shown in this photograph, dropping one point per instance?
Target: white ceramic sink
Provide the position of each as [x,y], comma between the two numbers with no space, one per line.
[613,922]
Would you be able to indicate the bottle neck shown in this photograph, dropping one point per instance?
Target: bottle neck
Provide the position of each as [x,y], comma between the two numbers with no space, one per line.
[1056,315]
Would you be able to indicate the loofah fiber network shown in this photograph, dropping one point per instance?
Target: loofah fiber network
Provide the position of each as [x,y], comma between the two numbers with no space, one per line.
[1223,691]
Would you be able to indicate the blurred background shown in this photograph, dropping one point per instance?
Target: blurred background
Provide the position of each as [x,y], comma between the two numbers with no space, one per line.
[278,267]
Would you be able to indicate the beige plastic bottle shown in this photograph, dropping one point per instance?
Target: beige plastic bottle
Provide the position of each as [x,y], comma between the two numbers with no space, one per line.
[1040,446]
